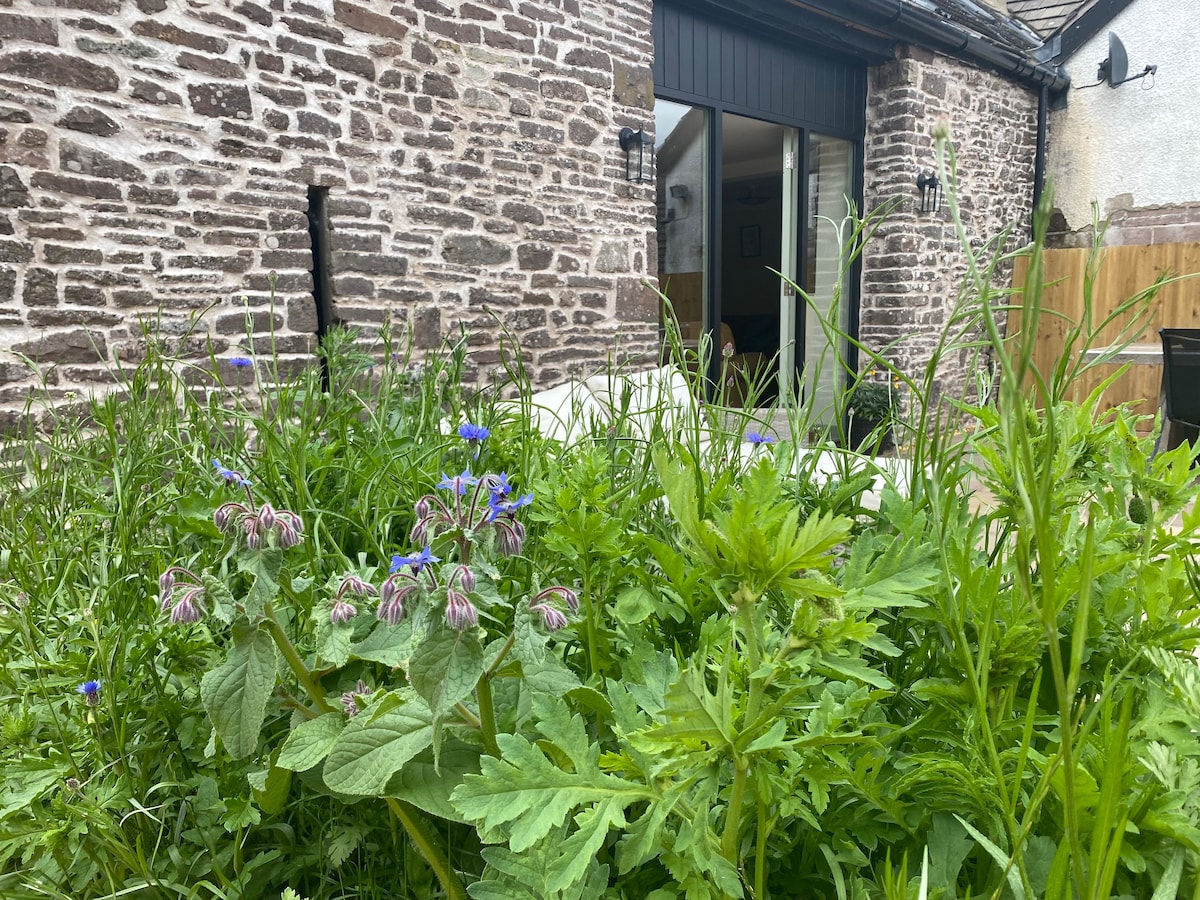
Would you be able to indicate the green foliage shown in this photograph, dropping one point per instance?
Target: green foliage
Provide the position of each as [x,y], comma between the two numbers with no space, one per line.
[763,687]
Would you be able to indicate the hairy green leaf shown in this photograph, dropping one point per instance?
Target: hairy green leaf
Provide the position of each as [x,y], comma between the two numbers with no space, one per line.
[236,692]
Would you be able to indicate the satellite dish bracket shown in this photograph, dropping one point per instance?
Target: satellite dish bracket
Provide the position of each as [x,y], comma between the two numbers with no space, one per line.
[1116,66]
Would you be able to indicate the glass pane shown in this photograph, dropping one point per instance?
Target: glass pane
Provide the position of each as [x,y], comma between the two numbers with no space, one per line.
[680,151]
[751,246]
[830,187]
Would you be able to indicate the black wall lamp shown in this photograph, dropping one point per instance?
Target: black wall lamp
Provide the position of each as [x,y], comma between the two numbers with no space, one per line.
[638,148]
[931,192]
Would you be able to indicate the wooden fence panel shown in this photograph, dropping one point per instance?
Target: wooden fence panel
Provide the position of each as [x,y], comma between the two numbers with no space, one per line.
[1122,272]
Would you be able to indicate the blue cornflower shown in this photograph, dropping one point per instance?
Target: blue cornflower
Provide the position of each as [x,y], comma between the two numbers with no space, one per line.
[230,476]
[469,432]
[458,483]
[755,438]
[241,362]
[417,561]
[90,691]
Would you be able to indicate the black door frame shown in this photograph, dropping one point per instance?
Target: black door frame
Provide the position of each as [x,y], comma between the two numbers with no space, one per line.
[724,68]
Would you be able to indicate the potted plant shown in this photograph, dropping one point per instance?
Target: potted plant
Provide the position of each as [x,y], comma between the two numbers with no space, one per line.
[872,405]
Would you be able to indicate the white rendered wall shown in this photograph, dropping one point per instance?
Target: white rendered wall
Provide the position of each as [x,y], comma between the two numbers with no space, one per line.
[1136,145]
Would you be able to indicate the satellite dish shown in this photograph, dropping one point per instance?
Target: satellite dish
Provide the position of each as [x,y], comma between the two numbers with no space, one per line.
[1116,67]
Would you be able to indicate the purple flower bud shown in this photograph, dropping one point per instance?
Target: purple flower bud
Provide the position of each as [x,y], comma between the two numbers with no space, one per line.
[341,612]
[266,517]
[189,608]
[727,350]
[391,610]
[229,514]
[422,508]
[559,592]
[350,698]
[166,581]
[466,578]
[552,618]
[72,783]
[461,614]
[510,536]
[352,584]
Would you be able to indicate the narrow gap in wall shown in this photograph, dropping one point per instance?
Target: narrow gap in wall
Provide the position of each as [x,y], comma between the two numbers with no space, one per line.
[318,232]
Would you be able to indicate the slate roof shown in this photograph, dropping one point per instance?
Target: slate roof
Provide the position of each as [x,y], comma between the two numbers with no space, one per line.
[1048,17]
[985,21]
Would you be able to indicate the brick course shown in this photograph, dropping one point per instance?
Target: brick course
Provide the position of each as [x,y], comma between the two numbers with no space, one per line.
[155,159]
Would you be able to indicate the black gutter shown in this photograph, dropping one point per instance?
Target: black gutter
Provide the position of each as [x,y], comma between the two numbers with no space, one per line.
[916,25]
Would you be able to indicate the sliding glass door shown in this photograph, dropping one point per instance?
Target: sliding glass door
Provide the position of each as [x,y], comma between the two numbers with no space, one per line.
[749,209]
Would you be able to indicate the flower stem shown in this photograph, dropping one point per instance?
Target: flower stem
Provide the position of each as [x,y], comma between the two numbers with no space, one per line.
[429,851]
[487,714]
[729,840]
[295,663]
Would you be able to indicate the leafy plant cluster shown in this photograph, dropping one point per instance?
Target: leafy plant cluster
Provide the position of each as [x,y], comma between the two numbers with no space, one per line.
[392,643]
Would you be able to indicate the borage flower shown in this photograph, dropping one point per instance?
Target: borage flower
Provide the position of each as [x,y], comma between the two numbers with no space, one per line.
[499,506]
[416,562]
[458,483]
[230,476]
[90,691]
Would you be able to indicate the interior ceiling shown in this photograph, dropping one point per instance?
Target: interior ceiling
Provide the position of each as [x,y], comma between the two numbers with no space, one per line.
[751,147]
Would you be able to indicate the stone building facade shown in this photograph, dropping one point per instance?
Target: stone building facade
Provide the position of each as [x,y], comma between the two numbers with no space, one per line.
[157,160]
[200,170]
[915,265]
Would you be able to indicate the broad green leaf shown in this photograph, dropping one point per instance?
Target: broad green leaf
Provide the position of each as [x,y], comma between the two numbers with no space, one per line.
[445,668]
[333,638]
[428,787]
[371,750]
[635,604]
[1169,884]
[310,742]
[220,598]
[270,788]
[772,739]
[240,813]
[236,692]
[264,566]
[389,645]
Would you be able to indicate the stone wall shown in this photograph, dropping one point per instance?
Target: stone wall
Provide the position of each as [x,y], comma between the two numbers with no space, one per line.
[914,265]
[1175,223]
[156,157]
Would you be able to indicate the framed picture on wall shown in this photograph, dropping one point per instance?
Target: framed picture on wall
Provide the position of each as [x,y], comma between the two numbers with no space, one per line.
[751,241]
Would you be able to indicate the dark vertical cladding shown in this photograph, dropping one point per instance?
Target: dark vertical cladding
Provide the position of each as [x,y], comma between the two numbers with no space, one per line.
[716,63]
[322,277]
